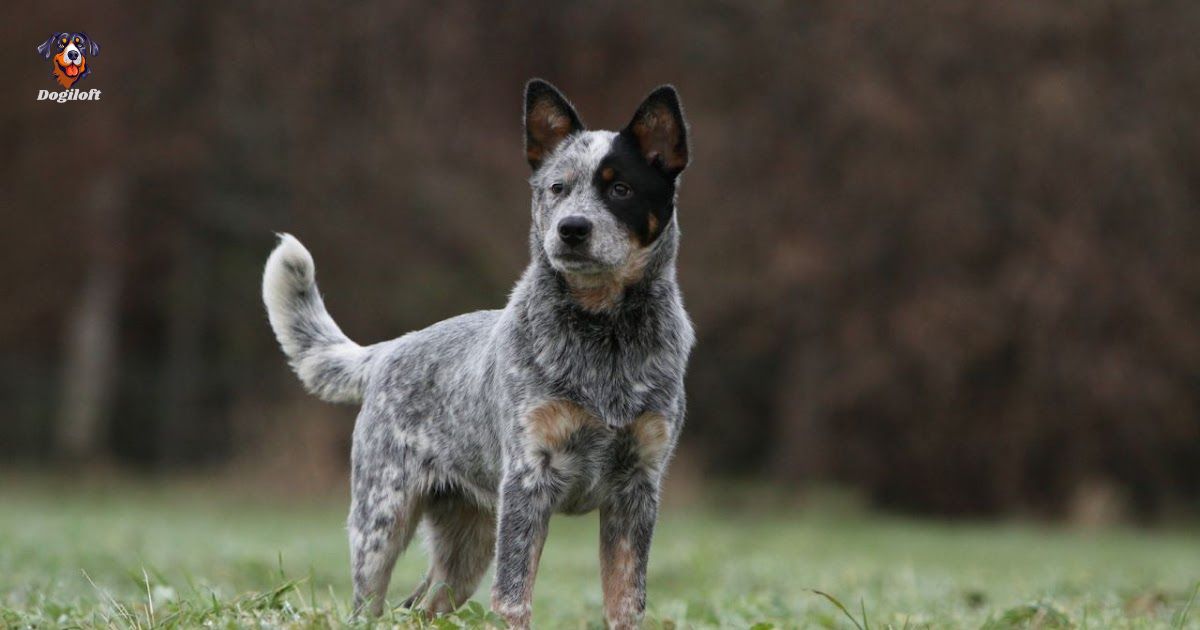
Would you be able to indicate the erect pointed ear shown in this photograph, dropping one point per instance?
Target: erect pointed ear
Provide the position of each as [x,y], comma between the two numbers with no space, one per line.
[660,131]
[549,119]
[45,50]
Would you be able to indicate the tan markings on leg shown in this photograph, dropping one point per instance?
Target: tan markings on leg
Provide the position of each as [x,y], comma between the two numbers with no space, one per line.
[652,438]
[602,293]
[552,423]
[618,566]
[535,559]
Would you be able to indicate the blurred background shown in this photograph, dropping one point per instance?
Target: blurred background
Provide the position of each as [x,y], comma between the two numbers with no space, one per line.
[944,257]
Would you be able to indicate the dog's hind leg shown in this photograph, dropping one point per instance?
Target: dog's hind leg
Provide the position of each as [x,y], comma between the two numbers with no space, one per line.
[461,537]
[383,516]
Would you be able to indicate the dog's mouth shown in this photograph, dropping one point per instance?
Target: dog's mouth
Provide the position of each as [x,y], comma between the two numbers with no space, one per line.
[574,262]
[71,70]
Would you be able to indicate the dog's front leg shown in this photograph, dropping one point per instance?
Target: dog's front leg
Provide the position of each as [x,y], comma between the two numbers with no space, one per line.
[626,528]
[526,503]
[627,518]
[535,476]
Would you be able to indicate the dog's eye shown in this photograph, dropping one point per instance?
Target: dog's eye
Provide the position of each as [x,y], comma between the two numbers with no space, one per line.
[621,190]
[62,43]
[556,188]
[78,41]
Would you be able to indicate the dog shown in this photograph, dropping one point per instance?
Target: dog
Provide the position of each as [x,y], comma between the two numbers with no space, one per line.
[69,52]
[569,399]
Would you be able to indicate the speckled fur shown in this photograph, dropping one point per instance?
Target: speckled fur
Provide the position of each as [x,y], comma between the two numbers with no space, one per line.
[481,426]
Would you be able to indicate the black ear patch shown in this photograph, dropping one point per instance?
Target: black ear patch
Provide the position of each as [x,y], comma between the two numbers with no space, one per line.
[649,194]
[46,49]
[660,131]
[549,119]
[637,178]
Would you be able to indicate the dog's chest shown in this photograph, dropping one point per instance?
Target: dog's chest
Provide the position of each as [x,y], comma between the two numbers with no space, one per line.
[566,444]
[612,391]
[588,466]
[613,376]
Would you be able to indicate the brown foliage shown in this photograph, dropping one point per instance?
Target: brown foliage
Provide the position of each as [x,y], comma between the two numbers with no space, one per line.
[943,251]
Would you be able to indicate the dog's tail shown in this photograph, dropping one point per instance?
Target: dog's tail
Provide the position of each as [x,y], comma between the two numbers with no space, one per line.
[331,366]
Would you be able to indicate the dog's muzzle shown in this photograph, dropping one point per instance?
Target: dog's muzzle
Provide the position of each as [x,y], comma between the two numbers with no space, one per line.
[71,58]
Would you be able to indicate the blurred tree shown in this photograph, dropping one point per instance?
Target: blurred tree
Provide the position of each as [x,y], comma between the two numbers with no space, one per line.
[943,252]
[90,353]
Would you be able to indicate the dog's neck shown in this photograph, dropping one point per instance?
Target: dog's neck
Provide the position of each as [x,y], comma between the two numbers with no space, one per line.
[594,357]
[651,273]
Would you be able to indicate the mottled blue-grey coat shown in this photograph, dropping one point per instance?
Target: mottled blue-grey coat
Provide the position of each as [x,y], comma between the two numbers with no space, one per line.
[569,399]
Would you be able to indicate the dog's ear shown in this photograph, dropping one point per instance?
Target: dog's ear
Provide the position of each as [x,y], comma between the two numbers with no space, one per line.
[93,48]
[549,119]
[660,131]
[46,50]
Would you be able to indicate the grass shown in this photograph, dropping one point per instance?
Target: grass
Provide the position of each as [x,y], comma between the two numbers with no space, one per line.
[180,556]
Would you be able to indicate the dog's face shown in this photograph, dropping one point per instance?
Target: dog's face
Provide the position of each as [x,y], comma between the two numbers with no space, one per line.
[69,53]
[602,198]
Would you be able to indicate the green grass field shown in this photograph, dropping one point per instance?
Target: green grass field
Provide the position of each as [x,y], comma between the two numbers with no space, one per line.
[178,556]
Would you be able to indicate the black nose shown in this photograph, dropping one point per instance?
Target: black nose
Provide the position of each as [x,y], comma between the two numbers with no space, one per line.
[574,230]
[72,55]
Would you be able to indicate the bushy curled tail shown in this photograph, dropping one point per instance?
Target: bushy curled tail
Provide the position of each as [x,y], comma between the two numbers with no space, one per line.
[330,365]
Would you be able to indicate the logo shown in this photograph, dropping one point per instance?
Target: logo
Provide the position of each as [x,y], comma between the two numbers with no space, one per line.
[69,55]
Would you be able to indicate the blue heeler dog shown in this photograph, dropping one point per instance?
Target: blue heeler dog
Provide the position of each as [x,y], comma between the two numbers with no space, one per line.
[567,400]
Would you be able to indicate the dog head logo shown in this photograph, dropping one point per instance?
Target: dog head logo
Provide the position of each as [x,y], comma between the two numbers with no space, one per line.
[68,53]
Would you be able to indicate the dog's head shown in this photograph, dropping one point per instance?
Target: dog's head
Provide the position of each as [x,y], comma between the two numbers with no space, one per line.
[69,53]
[602,199]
